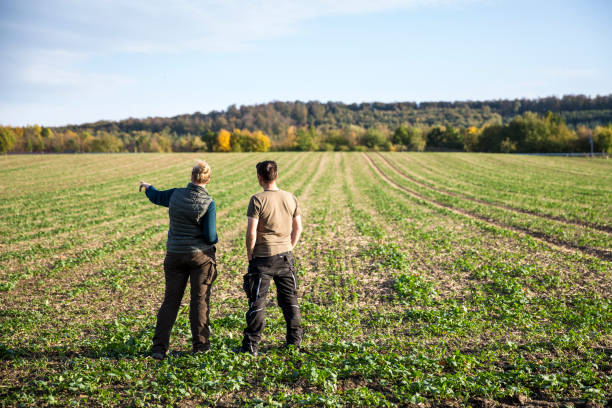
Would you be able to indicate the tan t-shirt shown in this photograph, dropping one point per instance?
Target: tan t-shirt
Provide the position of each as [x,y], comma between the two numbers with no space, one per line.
[275,210]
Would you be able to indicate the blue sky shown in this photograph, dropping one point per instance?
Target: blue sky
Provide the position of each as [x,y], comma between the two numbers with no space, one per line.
[72,61]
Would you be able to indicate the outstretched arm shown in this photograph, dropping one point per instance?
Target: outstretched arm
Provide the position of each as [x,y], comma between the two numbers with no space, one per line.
[156,197]
[144,185]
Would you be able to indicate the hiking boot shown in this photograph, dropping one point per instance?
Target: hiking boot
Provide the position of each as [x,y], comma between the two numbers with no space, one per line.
[250,348]
[158,356]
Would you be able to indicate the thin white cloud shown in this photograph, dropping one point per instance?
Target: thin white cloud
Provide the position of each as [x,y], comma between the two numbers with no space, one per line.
[188,25]
[106,27]
[58,68]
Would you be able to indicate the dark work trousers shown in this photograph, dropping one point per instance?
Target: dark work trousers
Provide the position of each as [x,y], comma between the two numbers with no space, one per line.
[256,284]
[201,268]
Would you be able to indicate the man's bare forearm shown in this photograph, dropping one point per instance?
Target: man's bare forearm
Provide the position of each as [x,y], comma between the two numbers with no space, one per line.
[296,230]
[251,236]
[250,245]
[295,237]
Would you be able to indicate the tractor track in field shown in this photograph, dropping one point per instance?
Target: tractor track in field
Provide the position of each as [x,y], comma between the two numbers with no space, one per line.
[543,238]
[472,183]
[602,228]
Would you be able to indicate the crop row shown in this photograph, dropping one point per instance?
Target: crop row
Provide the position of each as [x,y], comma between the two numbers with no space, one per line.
[516,183]
[587,239]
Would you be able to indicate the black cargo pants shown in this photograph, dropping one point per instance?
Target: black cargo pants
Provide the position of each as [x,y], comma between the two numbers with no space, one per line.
[281,269]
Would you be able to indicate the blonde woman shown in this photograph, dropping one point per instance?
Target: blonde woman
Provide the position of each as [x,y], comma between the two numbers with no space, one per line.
[190,254]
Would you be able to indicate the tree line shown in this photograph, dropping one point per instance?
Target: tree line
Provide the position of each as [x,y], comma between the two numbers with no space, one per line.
[526,133]
[275,118]
[37,139]
[552,124]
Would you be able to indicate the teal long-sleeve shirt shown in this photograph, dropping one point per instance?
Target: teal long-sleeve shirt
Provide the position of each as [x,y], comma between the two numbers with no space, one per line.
[208,223]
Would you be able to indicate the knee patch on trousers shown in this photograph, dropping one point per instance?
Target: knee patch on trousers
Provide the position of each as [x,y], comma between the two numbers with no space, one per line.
[251,284]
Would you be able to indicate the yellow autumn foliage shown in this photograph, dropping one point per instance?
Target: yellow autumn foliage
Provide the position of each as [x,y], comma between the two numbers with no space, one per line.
[262,142]
[223,141]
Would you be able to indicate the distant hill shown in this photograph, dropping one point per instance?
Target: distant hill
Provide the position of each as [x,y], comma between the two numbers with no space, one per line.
[275,118]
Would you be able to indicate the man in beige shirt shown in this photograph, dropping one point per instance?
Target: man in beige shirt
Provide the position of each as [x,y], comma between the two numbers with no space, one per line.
[274,227]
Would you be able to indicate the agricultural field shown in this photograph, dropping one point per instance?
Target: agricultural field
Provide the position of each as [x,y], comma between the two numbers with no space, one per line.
[426,279]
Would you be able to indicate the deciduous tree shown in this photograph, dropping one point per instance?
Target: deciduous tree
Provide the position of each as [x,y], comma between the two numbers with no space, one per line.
[7,140]
[223,141]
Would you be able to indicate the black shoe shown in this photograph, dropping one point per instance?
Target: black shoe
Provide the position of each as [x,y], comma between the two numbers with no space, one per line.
[200,349]
[251,349]
[158,356]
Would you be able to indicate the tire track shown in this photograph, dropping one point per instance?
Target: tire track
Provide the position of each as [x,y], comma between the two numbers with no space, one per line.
[479,184]
[540,237]
[602,228]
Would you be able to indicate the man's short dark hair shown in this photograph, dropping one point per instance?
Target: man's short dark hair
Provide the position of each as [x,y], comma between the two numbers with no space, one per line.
[267,170]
